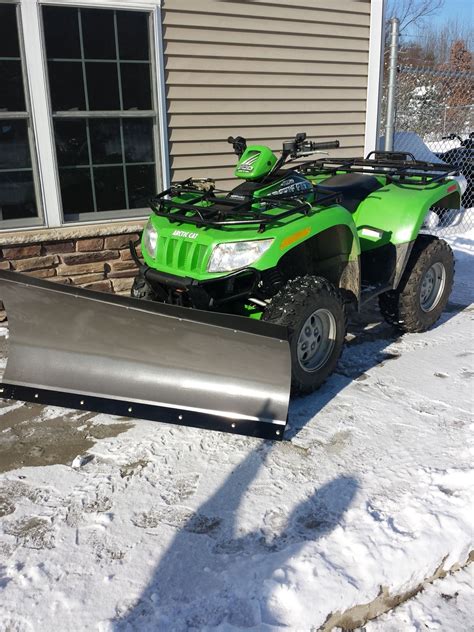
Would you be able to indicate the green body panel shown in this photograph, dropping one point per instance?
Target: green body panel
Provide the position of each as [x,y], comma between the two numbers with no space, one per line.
[256,161]
[185,249]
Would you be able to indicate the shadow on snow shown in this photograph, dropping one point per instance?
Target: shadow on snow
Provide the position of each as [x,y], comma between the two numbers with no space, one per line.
[215,573]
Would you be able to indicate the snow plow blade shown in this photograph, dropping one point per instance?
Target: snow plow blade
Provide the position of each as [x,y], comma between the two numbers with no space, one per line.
[88,350]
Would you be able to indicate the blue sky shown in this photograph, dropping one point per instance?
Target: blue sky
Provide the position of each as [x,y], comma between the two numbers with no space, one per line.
[462,9]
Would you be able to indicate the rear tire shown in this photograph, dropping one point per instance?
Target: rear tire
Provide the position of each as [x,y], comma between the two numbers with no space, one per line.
[313,311]
[424,289]
[141,289]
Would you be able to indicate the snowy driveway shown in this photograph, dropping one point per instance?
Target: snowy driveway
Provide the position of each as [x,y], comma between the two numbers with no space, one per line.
[171,529]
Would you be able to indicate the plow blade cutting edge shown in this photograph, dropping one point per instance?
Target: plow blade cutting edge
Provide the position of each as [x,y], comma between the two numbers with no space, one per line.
[87,350]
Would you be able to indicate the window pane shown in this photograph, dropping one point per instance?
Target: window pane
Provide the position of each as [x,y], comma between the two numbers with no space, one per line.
[14,148]
[71,142]
[17,195]
[76,191]
[105,141]
[141,185]
[11,87]
[61,30]
[138,140]
[132,29]
[95,155]
[17,188]
[66,85]
[109,188]
[9,46]
[98,34]
[136,89]
[102,86]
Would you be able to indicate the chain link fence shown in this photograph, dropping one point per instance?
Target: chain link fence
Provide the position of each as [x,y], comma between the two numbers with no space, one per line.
[435,121]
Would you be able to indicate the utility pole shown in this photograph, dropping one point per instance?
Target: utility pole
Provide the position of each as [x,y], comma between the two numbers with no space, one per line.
[392,84]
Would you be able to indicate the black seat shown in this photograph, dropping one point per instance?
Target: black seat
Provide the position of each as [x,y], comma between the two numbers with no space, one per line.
[353,187]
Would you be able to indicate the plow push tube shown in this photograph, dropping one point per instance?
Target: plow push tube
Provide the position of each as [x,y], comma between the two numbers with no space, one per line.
[81,349]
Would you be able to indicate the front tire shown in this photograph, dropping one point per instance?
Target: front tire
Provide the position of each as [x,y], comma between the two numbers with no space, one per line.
[424,289]
[313,311]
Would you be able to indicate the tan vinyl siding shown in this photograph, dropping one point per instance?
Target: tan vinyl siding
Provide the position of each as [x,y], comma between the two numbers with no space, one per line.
[264,70]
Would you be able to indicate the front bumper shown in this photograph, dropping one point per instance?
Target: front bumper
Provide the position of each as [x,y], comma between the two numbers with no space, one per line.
[207,294]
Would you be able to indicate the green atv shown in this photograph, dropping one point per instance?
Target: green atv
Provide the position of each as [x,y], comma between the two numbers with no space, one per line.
[247,291]
[297,246]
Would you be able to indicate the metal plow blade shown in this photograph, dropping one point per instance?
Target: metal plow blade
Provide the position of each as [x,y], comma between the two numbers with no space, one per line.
[87,350]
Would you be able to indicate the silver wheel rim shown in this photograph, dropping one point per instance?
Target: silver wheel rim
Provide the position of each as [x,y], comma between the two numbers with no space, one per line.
[432,286]
[316,340]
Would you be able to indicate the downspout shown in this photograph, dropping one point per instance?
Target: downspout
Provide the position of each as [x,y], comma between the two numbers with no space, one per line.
[161,89]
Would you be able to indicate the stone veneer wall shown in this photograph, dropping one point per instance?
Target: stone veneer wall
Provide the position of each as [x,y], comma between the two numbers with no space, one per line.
[99,262]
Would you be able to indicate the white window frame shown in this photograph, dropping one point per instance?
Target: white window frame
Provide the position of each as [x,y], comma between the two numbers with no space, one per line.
[38,220]
[41,112]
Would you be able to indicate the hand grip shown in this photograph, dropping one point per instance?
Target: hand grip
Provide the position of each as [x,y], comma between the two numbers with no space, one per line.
[330,144]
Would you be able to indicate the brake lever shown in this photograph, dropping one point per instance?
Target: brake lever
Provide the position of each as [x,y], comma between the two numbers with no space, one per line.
[315,151]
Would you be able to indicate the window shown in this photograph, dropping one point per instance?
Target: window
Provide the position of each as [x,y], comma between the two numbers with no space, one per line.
[18,199]
[103,108]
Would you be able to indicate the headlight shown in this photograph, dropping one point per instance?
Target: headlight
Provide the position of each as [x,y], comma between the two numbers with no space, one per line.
[150,239]
[237,254]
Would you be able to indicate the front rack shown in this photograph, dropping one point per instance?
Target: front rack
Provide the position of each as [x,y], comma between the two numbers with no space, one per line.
[396,170]
[230,212]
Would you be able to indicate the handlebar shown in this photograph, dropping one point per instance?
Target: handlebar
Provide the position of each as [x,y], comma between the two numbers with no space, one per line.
[300,146]
[452,137]
[467,142]
[294,149]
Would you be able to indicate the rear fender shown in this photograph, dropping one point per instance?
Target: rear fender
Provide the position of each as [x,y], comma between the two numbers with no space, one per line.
[397,212]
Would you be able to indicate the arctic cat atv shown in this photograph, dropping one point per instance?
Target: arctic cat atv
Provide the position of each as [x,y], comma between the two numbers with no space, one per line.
[246,291]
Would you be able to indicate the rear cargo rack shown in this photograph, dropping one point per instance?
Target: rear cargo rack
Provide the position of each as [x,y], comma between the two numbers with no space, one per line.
[225,211]
[397,167]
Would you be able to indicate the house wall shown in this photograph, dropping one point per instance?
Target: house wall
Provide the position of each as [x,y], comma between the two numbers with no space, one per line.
[265,71]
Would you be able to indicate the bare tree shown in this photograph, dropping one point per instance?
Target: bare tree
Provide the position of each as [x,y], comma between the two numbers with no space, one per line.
[435,42]
[412,12]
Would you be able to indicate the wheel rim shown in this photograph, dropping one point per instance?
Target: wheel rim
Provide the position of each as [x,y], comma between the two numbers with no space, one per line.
[432,286]
[316,340]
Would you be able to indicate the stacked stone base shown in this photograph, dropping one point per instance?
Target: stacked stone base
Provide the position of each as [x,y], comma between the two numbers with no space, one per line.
[101,263]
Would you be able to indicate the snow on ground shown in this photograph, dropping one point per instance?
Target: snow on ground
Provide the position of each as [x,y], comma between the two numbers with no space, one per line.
[463,245]
[444,605]
[171,529]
